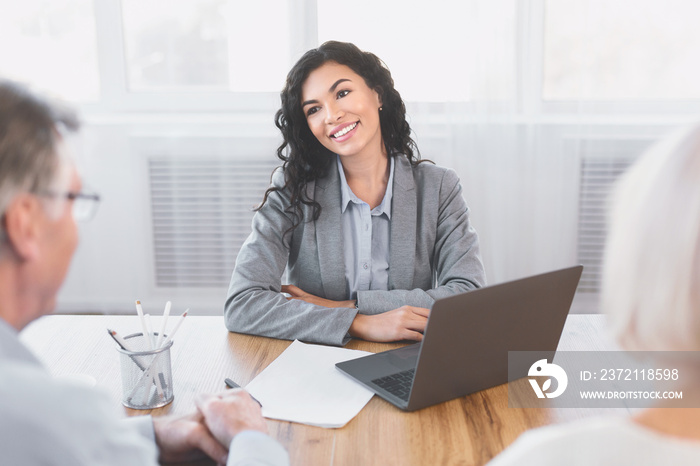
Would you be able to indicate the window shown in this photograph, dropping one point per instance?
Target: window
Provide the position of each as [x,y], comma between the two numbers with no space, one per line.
[51,45]
[603,50]
[225,45]
[432,48]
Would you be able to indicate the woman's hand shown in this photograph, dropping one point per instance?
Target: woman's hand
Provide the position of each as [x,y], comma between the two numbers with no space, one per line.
[298,293]
[404,323]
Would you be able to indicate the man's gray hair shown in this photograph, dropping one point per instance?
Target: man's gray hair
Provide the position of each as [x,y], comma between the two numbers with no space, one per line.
[29,138]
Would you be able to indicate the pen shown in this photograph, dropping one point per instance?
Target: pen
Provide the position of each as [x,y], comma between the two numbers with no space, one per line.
[231,384]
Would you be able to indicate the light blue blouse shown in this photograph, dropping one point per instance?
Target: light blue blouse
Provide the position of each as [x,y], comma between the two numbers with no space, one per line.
[366,235]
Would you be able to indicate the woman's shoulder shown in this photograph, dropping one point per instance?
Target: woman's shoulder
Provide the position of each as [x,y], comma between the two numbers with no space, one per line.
[427,172]
[285,177]
[278,178]
[278,193]
[283,188]
[605,440]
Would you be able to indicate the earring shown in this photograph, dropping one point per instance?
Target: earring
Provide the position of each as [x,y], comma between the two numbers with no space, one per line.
[381,108]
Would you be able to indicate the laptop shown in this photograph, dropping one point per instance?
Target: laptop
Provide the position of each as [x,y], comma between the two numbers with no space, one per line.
[467,338]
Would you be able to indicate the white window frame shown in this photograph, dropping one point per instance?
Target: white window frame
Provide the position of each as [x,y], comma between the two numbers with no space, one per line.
[115,96]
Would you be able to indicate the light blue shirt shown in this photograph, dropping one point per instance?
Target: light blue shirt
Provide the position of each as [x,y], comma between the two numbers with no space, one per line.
[366,237]
[47,420]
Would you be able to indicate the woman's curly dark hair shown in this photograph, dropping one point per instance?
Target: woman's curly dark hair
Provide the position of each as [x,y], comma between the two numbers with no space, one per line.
[305,158]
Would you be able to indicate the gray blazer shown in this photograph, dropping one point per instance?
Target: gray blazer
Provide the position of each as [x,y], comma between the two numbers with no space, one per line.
[434,253]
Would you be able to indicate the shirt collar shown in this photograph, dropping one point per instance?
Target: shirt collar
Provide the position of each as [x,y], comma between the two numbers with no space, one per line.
[385,206]
[11,348]
[346,194]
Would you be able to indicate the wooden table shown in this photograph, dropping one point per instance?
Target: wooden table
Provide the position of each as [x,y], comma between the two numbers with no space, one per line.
[468,430]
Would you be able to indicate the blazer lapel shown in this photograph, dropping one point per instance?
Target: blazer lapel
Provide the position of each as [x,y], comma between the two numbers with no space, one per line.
[329,236]
[403,226]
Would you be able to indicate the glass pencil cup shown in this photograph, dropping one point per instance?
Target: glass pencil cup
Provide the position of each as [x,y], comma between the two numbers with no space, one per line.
[147,376]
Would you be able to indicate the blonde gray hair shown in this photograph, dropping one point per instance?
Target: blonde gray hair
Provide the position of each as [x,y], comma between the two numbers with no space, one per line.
[651,275]
[30,157]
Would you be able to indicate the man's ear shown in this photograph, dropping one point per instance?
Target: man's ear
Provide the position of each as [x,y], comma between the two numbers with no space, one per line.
[21,224]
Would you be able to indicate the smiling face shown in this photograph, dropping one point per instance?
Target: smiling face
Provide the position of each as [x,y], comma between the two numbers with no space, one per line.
[342,111]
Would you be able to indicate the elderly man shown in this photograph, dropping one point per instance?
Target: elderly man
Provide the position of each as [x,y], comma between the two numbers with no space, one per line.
[47,421]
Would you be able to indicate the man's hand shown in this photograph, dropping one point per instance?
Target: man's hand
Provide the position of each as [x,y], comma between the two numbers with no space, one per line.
[404,323]
[229,413]
[186,438]
[298,293]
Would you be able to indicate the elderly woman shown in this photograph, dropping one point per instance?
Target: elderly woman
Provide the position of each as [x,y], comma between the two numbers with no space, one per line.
[651,295]
[368,234]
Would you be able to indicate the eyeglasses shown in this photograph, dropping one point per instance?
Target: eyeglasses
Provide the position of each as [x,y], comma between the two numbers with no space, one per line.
[84,204]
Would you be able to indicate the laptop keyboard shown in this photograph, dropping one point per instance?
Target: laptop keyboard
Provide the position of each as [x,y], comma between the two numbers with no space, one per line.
[398,384]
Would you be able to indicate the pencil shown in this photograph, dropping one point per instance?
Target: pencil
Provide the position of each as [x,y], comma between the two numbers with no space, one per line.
[144,329]
[149,331]
[115,336]
[166,314]
[177,326]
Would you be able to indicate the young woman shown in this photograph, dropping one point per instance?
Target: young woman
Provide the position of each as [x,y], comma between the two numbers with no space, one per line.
[369,235]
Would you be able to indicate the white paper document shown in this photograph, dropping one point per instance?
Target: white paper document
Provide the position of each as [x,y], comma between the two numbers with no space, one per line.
[303,385]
